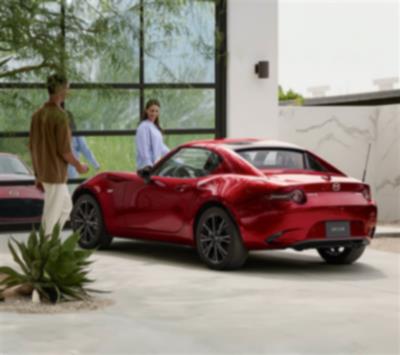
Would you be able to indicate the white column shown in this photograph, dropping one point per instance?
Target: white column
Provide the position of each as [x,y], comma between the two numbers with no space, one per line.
[252,103]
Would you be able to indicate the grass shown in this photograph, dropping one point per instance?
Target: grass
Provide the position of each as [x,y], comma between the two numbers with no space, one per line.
[116,153]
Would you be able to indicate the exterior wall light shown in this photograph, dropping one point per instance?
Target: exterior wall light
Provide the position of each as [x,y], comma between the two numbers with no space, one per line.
[262,69]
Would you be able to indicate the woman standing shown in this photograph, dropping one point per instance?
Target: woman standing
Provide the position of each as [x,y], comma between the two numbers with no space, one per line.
[149,140]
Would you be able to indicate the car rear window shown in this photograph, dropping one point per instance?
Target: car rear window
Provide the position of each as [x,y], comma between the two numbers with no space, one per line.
[274,158]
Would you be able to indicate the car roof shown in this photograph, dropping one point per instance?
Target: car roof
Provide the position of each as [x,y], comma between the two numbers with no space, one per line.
[8,154]
[243,143]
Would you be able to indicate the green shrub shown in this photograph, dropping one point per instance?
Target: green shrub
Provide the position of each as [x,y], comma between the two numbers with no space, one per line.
[56,269]
[290,95]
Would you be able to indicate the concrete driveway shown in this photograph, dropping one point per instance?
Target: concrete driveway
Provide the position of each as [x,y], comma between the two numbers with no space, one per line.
[167,302]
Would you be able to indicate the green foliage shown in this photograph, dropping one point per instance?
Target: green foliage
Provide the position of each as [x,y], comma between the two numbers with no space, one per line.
[290,95]
[54,268]
[32,41]
[86,39]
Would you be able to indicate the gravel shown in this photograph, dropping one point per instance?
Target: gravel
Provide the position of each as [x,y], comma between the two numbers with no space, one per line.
[25,305]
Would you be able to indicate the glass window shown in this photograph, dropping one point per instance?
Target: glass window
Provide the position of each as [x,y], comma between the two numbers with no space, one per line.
[102,109]
[119,153]
[111,153]
[17,107]
[179,48]
[33,36]
[116,57]
[185,108]
[189,163]
[314,164]
[179,41]
[274,158]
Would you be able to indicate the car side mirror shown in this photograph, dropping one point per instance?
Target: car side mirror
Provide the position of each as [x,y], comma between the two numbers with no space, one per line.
[145,174]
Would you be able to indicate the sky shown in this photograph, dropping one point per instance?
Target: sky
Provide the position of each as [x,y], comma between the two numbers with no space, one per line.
[344,44]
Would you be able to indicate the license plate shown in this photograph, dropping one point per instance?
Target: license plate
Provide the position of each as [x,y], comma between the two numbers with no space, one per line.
[337,229]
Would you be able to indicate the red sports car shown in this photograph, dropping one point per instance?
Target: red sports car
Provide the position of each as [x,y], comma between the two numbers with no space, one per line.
[226,197]
[18,204]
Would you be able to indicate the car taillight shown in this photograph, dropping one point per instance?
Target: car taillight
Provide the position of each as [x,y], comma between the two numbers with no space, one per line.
[297,196]
[366,193]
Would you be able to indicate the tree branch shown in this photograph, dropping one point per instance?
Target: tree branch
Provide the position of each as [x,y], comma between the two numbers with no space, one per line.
[4,61]
[28,68]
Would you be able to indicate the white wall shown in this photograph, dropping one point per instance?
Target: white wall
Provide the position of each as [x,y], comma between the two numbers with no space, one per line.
[252,103]
[341,135]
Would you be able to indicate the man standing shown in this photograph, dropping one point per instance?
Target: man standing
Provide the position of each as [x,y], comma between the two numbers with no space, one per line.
[50,147]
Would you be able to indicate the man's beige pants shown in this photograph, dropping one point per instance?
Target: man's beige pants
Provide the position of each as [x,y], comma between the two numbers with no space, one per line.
[57,206]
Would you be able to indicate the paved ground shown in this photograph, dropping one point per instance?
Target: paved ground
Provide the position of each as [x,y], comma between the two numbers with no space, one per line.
[388,230]
[166,302]
[390,244]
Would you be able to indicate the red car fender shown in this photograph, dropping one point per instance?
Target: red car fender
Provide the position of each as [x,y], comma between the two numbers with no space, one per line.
[234,193]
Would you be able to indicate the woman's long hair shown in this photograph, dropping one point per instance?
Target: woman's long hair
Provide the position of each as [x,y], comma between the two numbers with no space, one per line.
[144,116]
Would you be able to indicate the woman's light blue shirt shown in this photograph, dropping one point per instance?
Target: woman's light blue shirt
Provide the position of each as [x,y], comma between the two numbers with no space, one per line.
[149,144]
[79,146]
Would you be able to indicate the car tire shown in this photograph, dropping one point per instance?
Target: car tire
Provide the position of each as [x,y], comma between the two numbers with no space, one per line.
[87,219]
[218,240]
[341,255]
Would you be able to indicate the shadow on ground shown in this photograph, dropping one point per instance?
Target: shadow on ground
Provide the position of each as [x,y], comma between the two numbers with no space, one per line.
[259,263]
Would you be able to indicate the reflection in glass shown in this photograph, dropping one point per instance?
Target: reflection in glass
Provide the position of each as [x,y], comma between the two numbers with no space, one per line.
[179,41]
[116,57]
[187,108]
[30,41]
[103,109]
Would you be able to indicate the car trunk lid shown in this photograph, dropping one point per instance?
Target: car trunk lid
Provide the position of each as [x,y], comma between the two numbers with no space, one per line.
[311,182]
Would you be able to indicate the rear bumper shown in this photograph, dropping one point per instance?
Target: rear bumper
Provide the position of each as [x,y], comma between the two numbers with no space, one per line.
[300,227]
[328,243]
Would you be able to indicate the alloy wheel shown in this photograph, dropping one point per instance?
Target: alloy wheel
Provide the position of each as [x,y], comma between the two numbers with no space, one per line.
[215,238]
[86,221]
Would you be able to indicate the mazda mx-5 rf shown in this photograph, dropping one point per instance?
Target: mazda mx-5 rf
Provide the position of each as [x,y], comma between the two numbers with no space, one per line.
[226,197]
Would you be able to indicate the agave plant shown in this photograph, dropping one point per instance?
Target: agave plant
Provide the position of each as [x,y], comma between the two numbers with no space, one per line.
[56,269]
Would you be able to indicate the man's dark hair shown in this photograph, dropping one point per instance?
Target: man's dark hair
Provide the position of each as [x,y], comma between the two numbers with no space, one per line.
[54,82]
